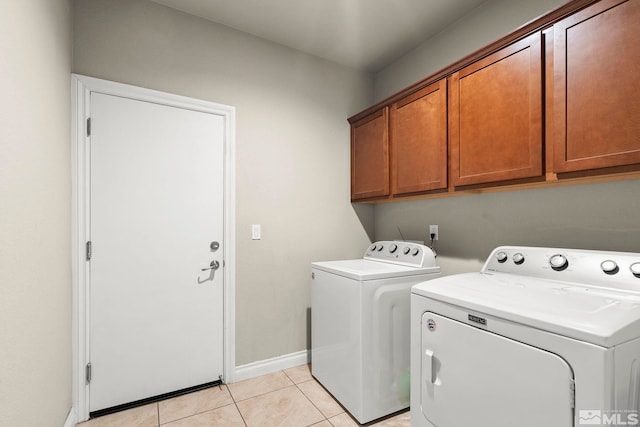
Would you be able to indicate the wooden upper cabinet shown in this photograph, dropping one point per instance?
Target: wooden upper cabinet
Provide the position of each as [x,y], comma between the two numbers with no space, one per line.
[495,116]
[596,81]
[557,99]
[370,156]
[418,139]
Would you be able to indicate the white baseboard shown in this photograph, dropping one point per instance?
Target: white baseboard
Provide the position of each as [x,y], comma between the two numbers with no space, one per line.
[262,367]
[243,372]
[72,418]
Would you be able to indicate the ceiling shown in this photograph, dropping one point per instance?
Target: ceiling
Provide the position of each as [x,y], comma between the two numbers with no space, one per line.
[362,34]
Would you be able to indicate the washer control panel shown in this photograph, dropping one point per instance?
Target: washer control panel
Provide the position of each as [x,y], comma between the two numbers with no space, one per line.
[403,253]
[597,268]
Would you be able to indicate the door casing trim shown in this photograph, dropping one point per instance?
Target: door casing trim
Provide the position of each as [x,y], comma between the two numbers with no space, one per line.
[81,87]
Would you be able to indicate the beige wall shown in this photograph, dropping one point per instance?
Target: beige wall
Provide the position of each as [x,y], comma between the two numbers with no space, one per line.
[596,216]
[292,148]
[486,23]
[35,213]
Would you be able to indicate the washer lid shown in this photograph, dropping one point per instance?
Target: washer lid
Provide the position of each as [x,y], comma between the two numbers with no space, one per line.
[364,269]
[599,316]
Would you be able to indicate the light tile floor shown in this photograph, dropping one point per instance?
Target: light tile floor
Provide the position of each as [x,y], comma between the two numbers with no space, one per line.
[289,398]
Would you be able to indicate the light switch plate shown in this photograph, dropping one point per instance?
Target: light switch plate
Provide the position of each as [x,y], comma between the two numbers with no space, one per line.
[256,232]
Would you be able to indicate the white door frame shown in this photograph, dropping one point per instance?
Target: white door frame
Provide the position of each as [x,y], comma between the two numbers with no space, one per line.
[81,87]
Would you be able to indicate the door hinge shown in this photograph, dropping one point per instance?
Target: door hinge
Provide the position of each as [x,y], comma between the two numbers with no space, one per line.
[89,126]
[88,254]
[88,372]
[572,390]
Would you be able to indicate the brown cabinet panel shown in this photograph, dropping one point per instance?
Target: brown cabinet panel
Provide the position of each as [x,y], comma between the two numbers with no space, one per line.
[557,101]
[597,87]
[370,156]
[418,127]
[495,116]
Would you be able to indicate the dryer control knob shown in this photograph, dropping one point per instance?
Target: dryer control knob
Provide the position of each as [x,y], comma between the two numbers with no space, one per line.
[501,257]
[415,251]
[406,250]
[380,248]
[558,262]
[393,248]
[635,269]
[518,258]
[609,267]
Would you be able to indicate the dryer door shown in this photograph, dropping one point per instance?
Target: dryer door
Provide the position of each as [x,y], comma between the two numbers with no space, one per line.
[472,377]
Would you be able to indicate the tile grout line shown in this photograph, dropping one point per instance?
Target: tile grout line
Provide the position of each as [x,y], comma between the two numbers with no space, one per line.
[262,394]
[235,403]
[344,410]
[293,384]
[200,413]
[307,397]
[241,416]
[314,405]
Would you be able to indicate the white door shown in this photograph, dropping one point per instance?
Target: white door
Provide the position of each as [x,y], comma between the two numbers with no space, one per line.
[156,207]
[472,377]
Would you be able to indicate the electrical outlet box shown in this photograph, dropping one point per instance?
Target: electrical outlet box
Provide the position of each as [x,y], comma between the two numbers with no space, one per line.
[433,231]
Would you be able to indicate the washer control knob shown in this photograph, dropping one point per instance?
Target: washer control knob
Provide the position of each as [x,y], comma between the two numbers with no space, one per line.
[518,258]
[373,247]
[393,248]
[558,262]
[380,248]
[609,267]
[501,257]
[635,269]
[415,251]
[406,250]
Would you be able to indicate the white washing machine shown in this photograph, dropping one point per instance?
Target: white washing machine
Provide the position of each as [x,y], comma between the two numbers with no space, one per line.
[540,337]
[360,338]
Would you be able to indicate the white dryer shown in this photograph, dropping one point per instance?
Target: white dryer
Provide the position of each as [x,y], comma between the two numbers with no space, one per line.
[360,311]
[540,337]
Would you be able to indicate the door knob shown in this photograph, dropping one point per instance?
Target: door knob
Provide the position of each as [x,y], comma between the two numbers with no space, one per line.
[213,266]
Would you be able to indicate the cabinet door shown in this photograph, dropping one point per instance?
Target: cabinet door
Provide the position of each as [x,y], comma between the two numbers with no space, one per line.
[370,156]
[495,116]
[418,126]
[597,87]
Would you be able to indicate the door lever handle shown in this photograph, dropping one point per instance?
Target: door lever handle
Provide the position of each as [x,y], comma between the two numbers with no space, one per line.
[213,266]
